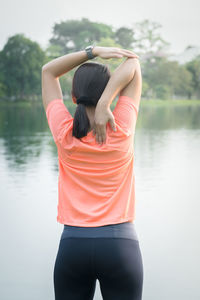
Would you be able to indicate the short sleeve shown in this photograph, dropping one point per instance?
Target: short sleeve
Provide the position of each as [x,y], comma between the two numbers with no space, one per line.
[125,113]
[58,117]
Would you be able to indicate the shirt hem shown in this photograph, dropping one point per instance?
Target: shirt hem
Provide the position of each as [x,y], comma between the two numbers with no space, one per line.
[96,224]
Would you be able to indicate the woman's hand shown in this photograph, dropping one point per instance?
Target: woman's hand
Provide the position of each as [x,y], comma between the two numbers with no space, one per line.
[103,114]
[101,117]
[112,52]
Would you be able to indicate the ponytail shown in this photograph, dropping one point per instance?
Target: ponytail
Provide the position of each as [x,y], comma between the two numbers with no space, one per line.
[81,123]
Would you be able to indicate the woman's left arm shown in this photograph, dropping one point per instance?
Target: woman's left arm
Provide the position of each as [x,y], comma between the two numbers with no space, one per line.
[52,70]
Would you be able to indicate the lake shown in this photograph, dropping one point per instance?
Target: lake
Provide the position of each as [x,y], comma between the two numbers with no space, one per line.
[167,163]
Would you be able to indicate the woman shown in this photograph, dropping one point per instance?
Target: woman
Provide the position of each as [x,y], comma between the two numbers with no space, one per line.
[96,184]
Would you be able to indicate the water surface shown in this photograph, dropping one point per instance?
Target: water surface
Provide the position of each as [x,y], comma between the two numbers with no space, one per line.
[167,161]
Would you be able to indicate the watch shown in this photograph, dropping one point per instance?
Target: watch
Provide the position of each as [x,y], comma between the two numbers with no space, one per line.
[88,50]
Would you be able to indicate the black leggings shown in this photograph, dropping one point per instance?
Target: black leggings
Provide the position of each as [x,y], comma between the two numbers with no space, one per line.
[115,262]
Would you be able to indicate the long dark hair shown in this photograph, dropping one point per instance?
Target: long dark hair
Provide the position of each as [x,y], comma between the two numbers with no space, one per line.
[89,81]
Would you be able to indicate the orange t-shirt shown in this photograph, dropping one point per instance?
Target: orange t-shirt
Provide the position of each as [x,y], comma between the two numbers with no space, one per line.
[96,184]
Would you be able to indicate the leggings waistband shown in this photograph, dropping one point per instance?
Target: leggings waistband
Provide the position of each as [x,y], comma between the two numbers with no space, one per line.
[120,230]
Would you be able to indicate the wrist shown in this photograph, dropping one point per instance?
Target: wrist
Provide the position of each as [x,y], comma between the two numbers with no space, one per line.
[95,51]
[103,103]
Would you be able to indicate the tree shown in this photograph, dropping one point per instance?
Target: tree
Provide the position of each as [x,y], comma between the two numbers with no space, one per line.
[167,78]
[194,68]
[147,39]
[162,91]
[20,67]
[73,35]
[125,37]
[183,86]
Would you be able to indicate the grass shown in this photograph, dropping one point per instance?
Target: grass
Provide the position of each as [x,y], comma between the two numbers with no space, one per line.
[144,102]
[176,102]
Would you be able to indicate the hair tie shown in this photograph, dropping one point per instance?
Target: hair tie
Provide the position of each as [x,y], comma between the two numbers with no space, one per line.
[84,100]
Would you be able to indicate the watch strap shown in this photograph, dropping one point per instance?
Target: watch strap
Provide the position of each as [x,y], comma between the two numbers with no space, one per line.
[88,50]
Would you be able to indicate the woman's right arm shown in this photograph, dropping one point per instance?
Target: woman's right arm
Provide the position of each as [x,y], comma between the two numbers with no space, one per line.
[121,81]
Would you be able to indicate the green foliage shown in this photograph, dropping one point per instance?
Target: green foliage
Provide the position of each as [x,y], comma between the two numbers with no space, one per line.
[147,38]
[20,67]
[183,85]
[74,35]
[2,90]
[145,89]
[125,37]
[167,78]
[194,68]
[162,92]
[53,51]
[21,60]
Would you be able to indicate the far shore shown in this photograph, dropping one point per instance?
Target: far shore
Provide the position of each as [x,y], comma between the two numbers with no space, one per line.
[160,102]
[143,102]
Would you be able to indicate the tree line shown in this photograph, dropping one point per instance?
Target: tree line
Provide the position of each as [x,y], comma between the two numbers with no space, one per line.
[21,60]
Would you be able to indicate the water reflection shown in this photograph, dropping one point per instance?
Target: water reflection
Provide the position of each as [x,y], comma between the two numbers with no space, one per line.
[24,129]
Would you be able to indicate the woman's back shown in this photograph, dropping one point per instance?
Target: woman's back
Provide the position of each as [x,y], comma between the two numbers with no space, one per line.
[96,182]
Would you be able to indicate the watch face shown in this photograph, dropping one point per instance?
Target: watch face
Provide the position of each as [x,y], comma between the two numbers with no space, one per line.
[89,47]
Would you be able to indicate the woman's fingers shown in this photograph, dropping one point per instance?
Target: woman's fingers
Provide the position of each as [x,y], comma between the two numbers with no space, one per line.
[125,52]
[114,52]
[122,54]
[100,134]
[97,134]
[129,53]
[100,139]
[103,134]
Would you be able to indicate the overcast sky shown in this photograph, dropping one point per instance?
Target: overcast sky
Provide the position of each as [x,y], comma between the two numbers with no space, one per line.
[179,19]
